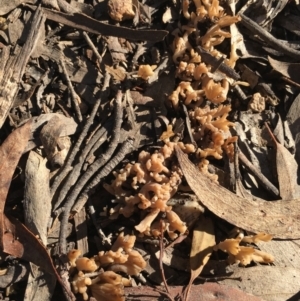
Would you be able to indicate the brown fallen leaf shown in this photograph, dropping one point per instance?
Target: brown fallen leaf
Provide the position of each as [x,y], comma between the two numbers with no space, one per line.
[37,196]
[19,242]
[10,154]
[202,247]
[278,218]
[270,283]
[202,292]
[289,70]
[15,238]
[287,169]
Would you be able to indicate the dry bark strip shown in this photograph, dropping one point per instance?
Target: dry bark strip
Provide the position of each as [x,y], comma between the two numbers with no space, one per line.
[279,218]
[12,72]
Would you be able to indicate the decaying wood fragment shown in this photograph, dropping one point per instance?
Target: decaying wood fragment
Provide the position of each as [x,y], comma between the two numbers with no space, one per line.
[15,66]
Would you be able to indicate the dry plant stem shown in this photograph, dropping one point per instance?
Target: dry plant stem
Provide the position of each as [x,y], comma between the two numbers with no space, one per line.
[125,149]
[91,171]
[209,59]
[219,278]
[161,249]
[91,44]
[259,176]
[74,175]
[240,93]
[188,124]
[268,38]
[74,95]
[96,143]
[67,167]
[104,240]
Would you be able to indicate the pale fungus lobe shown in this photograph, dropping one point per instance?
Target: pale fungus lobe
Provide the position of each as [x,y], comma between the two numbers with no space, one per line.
[152,181]
[80,284]
[86,264]
[72,256]
[244,255]
[120,10]
[108,286]
[145,71]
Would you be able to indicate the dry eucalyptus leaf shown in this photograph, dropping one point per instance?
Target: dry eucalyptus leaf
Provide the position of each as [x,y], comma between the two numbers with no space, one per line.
[286,252]
[37,196]
[268,282]
[287,169]
[278,218]
[289,70]
[202,247]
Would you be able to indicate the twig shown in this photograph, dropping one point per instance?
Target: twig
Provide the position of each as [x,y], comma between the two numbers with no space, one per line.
[67,167]
[161,252]
[215,63]
[268,38]
[125,149]
[98,138]
[98,142]
[260,177]
[91,44]
[188,124]
[91,171]
[237,89]
[74,96]
[106,241]
[218,278]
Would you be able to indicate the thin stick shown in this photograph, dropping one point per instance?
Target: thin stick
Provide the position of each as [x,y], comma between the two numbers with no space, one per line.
[91,44]
[74,175]
[91,171]
[268,38]
[67,167]
[125,149]
[161,252]
[106,241]
[74,96]
[260,177]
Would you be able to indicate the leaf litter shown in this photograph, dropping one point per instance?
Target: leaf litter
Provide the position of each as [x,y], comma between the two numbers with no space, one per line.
[147,125]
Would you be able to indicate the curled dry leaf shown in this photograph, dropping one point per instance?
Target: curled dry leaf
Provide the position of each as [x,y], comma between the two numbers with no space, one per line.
[278,218]
[10,154]
[202,247]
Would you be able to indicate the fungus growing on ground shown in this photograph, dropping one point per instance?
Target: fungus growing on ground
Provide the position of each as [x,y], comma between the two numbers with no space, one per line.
[72,256]
[86,264]
[107,285]
[244,255]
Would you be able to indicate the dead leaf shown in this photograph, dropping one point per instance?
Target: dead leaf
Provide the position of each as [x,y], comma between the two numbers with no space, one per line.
[287,169]
[202,292]
[10,154]
[285,252]
[267,282]
[37,196]
[18,241]
[202,247]
[290,70]
[278,218]
[8,5]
